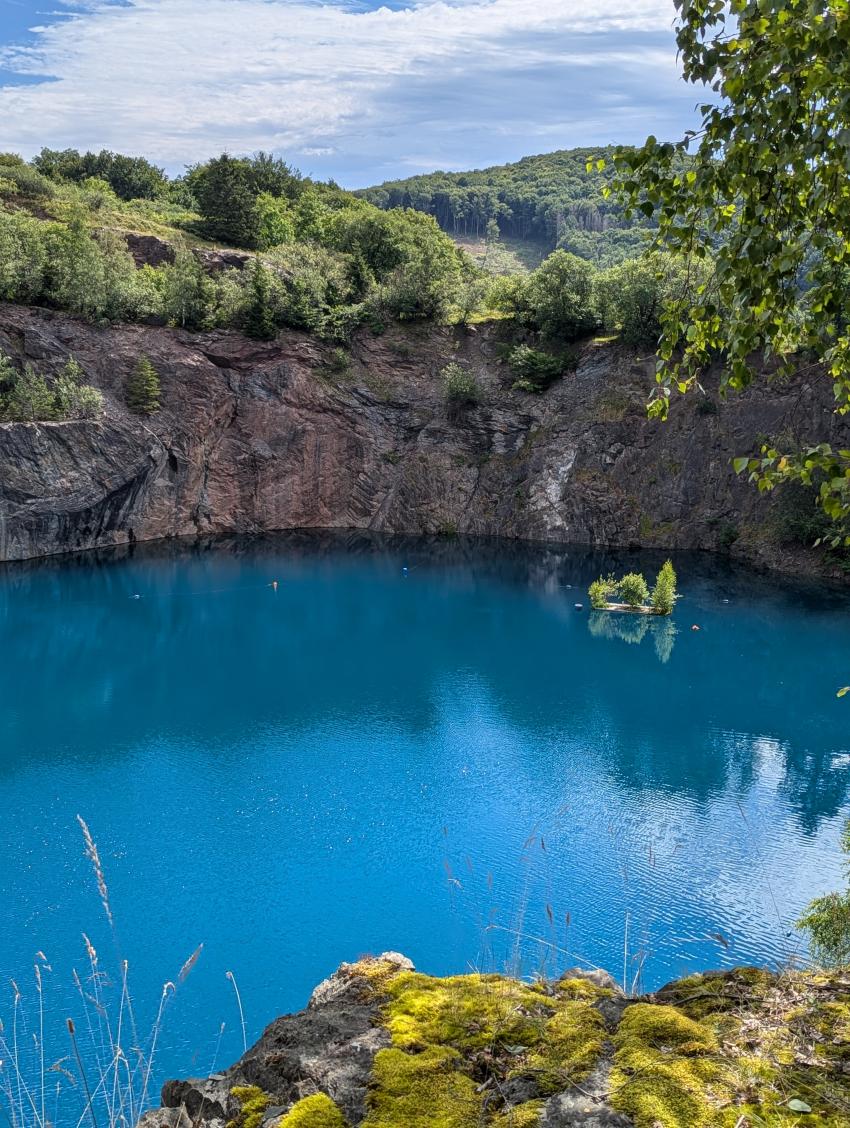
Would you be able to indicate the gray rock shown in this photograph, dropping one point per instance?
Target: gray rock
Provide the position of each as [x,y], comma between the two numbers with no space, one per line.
[596,976]
[330,1047]
[585,1106]
[166,1118]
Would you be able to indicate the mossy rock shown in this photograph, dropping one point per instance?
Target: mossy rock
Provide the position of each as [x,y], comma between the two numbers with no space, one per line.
[718,991]
[253,1103]
[458,1039]
[572,987]
[377,972]
[765,1051]
[738,1049]
[665,1070]
[467,1012]
[316,1111]
[424,1090]
[569,1048]
[520,1116]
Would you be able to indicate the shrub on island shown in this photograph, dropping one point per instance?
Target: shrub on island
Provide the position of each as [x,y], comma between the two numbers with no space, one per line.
[631,592]
[633,589]
[602,592]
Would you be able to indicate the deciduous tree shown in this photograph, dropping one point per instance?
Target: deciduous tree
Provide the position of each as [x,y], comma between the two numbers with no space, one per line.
[761,187]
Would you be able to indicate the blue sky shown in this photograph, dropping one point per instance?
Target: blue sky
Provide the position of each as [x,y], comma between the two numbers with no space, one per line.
[352,89]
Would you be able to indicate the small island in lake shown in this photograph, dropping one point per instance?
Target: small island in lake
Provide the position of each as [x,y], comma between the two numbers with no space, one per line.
[631,593]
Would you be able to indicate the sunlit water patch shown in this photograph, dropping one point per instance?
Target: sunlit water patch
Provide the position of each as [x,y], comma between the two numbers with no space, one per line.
[420,746]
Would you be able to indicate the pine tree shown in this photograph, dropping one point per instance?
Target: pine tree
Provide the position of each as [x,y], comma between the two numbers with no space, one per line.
[259,316]
[227,203]
[143,388]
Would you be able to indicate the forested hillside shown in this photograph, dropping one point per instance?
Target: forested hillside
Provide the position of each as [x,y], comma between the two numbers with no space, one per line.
[552,200]
[248,243]
[317,258]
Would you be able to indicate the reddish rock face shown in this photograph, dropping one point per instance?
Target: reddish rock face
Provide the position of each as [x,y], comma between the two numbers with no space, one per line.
[267,436]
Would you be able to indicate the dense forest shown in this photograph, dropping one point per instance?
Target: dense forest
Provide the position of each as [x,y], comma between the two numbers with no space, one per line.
[553,199]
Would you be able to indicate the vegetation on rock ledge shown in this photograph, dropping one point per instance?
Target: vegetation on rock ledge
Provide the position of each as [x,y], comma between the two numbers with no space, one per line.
[738,1049]
[29,396]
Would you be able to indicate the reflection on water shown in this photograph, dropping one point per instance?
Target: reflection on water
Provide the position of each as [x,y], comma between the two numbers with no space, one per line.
[411,744]
[633,628]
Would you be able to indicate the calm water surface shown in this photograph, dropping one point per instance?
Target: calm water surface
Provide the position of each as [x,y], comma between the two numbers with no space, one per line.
[409,745]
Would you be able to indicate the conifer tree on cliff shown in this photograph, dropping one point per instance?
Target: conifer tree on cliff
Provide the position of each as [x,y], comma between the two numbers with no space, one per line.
[142,394]
[259,316]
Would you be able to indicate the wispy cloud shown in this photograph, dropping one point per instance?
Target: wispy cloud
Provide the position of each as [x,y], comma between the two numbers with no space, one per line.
[346,88]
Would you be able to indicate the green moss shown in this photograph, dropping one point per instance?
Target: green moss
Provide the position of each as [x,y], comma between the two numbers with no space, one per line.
[665,1071]
[378,973]
[663,1027]
[767,1103]
[423,1090]
[520,1116]
[569,1048]
[453,1035]
[710,1050]
[317,1111]
[759,1042]
[253,1103]
[467,1012]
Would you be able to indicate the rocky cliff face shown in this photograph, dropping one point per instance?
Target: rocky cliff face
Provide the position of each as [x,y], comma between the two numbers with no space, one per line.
[381,1046]
[295,434]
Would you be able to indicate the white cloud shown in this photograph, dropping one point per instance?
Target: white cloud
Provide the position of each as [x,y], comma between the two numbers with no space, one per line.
[180,79]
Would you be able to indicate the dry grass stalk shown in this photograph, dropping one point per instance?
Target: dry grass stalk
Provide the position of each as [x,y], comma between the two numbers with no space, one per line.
[94,857]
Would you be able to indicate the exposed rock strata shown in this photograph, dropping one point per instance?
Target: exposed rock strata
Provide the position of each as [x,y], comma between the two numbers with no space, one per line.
[269,436]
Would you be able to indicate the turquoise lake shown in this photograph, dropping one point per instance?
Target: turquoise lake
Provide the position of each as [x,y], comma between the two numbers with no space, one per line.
[411,745]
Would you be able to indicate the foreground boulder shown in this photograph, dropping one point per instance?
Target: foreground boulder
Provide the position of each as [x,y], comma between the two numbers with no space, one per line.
[382,1046]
